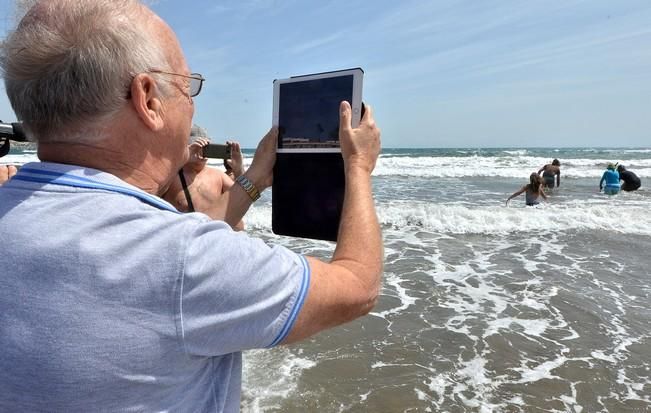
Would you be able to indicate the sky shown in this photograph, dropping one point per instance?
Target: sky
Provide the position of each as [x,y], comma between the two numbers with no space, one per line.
[438,73]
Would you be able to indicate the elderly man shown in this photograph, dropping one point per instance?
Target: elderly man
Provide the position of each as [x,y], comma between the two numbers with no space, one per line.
[199,186]
[112,300]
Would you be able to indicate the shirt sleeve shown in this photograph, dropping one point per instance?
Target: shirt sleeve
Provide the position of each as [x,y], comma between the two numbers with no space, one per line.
[238,293]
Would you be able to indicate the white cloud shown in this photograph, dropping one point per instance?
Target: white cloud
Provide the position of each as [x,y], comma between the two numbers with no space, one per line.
[316,43]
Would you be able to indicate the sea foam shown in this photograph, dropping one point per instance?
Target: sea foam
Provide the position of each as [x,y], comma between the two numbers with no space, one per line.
[460,219]
[491,166]
[494,219]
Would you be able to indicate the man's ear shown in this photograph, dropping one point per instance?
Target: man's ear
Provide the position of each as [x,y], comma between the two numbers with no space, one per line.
[146,101]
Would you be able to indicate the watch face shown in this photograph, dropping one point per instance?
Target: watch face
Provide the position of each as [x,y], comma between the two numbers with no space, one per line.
[248,186]
[245,182]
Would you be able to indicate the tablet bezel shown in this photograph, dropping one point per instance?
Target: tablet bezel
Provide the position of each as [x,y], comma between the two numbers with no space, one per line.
[356,104]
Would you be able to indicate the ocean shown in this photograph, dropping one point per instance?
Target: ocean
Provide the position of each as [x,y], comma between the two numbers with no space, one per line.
[484,307]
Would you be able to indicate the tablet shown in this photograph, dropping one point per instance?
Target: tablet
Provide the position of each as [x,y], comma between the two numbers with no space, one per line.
[309,180]
[306,109]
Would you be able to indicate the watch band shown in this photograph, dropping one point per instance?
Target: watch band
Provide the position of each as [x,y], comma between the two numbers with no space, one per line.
[248,186]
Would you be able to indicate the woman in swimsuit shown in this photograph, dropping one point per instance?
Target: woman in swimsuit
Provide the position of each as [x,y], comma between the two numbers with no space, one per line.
[533,191]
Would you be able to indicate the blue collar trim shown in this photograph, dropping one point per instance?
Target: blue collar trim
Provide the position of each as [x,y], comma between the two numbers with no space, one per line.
[66,179]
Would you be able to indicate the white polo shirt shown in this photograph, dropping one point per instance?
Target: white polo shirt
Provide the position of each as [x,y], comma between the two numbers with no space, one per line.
[111,300]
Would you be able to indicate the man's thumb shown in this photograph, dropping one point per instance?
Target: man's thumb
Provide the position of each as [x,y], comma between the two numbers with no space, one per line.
[345,115]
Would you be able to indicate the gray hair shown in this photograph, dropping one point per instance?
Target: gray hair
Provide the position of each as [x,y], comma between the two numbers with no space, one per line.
[198,132]
[70,63]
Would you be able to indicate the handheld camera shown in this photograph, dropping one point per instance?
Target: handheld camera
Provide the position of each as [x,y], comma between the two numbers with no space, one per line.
[218,151]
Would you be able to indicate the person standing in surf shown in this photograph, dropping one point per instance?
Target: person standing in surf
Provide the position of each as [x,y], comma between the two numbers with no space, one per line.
[549,171]
[533,191]
[611,178]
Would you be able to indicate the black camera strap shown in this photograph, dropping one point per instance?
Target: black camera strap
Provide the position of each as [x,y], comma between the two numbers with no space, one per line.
[186,191]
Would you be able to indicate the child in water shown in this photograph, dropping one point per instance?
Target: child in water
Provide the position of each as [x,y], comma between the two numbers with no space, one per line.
[533,191]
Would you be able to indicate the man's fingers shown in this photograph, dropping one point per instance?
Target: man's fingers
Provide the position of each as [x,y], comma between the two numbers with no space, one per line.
[368,113]
[345,116]
[271,138]
[268,143]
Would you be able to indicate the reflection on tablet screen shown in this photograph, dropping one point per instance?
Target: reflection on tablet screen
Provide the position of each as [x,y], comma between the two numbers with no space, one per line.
[308,112]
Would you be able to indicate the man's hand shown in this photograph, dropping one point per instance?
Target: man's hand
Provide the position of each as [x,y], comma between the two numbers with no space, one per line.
[196,149]
[6,172]
[196,161]
[236,163]
[261,170]
[360,147]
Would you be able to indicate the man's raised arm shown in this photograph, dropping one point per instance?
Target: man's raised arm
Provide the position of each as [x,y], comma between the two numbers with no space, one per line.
[348,286]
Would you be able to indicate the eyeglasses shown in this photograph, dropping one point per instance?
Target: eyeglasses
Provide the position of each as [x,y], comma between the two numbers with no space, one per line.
[196,80]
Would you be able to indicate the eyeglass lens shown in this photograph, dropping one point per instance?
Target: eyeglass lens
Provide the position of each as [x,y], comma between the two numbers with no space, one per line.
[196,81]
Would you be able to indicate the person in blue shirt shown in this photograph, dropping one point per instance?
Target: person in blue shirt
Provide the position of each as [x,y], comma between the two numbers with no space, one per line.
[111,300]
[611,178]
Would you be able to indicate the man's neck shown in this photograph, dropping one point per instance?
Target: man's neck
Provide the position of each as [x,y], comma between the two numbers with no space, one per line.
[135,166]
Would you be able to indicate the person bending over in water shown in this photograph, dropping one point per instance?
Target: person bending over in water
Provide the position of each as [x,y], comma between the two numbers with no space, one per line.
[533,191]
[549,171]
[631,181]
[611,177]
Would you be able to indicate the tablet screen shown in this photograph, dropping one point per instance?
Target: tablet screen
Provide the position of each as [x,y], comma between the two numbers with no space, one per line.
[308,112]
[306,109]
